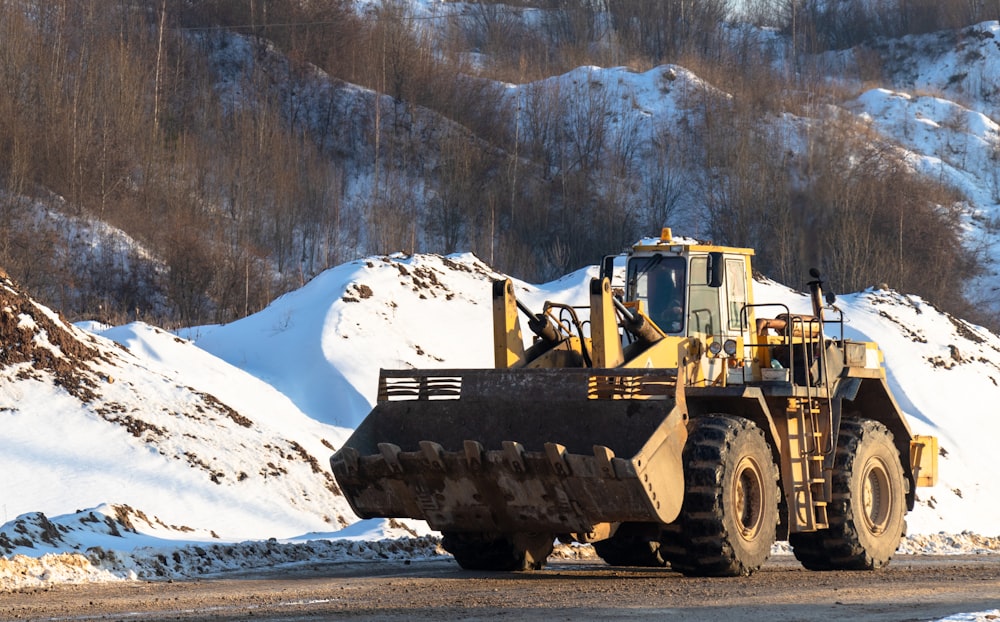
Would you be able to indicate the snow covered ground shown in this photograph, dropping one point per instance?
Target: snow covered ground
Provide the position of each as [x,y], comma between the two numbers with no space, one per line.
[110,553]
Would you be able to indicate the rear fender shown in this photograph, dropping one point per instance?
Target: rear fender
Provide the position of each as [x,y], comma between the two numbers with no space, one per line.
[870,398]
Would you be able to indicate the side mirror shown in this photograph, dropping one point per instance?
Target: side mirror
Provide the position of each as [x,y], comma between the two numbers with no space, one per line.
[716,269]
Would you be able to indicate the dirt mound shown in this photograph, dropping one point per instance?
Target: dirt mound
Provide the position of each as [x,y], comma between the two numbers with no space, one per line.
[35,531]
[168,423]
[38,340]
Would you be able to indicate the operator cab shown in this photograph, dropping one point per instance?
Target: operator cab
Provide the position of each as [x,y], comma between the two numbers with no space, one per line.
[690,290]
[696,290]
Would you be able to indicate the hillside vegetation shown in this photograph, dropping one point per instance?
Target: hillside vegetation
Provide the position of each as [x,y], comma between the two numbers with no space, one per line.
[187,163]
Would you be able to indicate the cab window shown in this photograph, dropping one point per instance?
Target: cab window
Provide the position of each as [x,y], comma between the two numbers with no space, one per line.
[659,282]
[736,291]
[704,314]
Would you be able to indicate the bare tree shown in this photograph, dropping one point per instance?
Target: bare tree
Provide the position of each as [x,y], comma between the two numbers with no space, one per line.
[665,183]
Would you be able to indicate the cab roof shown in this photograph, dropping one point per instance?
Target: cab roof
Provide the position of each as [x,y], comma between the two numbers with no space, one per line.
[667,243]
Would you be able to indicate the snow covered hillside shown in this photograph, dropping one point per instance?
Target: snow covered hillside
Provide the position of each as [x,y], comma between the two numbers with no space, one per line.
[937,100]
[177,440]
[178,444]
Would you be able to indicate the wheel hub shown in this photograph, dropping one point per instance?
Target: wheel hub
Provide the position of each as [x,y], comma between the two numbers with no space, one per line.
[876,498]
[748,498]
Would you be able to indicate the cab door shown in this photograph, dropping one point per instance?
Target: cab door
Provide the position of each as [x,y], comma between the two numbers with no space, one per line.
[734,290]
[738,324]
[718,295]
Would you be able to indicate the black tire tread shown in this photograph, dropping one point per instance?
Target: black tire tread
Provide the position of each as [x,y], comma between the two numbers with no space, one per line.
[697,544]
[840,547]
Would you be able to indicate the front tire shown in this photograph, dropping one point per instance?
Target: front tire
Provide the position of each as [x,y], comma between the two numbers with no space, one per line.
[729,517]
[867,512]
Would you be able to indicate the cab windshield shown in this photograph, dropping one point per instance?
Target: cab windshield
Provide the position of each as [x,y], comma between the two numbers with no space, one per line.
[659,283]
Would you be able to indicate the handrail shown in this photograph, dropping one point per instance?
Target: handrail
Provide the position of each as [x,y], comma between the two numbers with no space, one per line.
[786,333]
[566,326]
[812,336]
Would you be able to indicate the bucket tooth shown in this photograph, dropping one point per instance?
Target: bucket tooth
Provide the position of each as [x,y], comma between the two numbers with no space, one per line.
[390,453]
[514,455]
[433,453]
[351,458]
[556,454]
[604,456]
[473,454]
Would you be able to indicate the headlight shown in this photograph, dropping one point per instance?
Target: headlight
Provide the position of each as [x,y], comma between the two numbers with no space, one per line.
[729,347]
[715,347]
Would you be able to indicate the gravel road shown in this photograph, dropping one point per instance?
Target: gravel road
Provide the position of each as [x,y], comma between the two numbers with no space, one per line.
[912,588]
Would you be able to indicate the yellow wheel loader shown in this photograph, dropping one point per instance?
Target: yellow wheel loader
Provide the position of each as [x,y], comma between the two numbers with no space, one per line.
[676,421]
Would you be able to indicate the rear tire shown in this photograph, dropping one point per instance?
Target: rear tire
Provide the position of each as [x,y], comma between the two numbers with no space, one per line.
[634,544]
[498,552]
[729,517]
[867,512]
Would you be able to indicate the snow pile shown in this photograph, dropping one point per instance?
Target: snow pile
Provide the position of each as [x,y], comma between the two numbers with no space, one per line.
[98,565]
[196,560]
[965,543]
[209,449]
[116,543]
[21,572]
[109,526]
[322,345]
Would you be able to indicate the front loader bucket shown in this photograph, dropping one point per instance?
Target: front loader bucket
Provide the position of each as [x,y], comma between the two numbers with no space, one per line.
[524,450]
